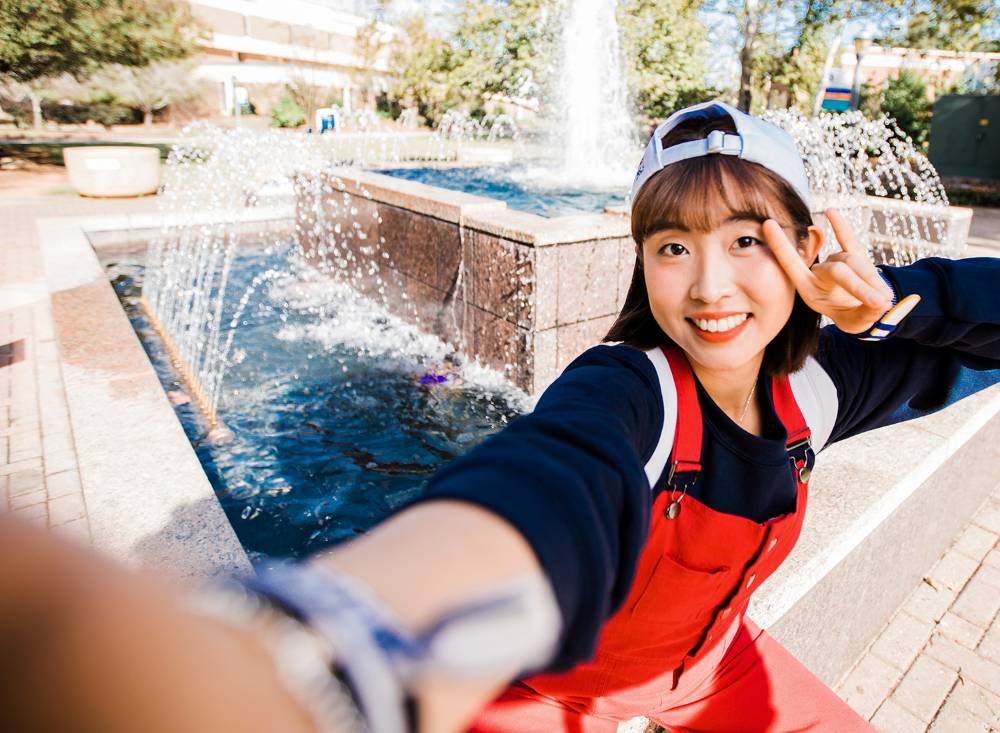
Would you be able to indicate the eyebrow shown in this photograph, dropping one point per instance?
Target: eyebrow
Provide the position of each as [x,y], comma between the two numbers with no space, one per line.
[745,216]
[736,216]
[668,225]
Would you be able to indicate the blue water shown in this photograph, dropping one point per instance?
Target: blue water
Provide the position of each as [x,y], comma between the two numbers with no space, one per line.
[339,413]
[507,184]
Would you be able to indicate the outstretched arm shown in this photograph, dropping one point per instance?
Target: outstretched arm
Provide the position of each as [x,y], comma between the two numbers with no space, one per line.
[88,646]
[429,559]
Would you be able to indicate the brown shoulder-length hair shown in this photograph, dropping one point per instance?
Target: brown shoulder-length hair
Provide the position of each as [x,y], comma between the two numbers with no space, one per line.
[685,194]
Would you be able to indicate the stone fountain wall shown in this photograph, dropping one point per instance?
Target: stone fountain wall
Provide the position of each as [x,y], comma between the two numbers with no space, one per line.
[522,293]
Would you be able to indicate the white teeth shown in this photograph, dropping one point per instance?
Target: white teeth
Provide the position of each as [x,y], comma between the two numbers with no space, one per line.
[722,324]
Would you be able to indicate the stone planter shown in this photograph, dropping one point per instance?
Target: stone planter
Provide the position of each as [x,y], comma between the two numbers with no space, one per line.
[113,170]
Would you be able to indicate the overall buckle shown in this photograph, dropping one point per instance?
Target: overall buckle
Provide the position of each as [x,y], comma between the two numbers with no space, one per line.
[690,472]
[802,457]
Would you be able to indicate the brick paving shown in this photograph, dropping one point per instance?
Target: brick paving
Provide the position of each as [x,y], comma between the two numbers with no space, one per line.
[39,477]
[936,665]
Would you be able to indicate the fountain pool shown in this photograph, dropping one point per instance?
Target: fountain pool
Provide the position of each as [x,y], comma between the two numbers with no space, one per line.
[518,186]
[338,411]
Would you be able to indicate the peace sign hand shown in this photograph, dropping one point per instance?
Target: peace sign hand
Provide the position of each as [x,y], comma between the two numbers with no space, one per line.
[846,287]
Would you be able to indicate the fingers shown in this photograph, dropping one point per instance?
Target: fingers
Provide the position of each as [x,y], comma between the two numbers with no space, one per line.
[787,256]
[855,254]
[842,274]
[843,232]
[865,269]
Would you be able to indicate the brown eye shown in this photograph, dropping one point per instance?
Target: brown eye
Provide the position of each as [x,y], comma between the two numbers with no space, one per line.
[673,248]
[745,242]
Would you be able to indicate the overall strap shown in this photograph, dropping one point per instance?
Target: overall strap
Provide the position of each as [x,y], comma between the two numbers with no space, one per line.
[686,455]
[799,443]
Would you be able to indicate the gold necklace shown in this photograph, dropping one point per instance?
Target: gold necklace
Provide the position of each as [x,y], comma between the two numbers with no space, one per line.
[746,405]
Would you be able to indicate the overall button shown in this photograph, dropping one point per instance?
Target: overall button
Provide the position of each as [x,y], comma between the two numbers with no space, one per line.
[753,577]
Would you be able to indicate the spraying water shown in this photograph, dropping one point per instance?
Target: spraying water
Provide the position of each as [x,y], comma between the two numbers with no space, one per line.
[871,172]
[226,187]
[595,135]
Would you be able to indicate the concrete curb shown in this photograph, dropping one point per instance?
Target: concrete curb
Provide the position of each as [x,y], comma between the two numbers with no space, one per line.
[148,500]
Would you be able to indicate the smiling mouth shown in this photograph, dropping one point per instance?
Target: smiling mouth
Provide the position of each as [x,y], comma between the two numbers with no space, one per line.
[719,325]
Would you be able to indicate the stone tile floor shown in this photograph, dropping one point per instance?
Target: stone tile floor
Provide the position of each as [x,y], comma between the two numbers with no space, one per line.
[936,665]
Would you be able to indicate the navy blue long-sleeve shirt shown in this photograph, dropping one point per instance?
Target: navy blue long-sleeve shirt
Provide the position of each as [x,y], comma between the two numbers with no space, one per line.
[574,475]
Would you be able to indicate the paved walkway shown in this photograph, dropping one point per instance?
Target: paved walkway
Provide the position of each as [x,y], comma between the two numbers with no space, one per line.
[39,477]
[936,665]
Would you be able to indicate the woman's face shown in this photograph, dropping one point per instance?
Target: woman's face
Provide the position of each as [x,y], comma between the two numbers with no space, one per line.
[720,295]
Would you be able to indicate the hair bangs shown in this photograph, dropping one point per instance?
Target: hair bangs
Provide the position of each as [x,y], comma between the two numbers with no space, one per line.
[699,194]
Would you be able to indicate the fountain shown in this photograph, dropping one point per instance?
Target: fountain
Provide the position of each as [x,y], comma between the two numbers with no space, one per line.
[595,135]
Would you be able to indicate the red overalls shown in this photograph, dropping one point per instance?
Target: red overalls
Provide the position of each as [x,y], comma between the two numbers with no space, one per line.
[679,650]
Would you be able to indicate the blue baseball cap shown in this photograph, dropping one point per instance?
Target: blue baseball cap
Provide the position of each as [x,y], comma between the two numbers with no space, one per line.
[754,140]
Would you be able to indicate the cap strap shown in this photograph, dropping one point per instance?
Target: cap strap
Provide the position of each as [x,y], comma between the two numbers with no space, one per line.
[716,142]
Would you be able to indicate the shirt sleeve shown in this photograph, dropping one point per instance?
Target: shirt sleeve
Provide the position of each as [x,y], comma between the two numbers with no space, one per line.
[947,348]
[570,477]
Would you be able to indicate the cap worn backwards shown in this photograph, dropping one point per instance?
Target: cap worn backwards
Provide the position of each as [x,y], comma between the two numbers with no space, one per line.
[755,140]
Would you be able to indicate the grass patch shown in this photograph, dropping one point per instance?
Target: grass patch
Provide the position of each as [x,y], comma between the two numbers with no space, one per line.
[62,191]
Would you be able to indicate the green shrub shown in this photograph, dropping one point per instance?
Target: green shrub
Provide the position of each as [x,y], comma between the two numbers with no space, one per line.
[101,112]
[286,113]
[905,100]
[106,114]
[386,107]
[973,196]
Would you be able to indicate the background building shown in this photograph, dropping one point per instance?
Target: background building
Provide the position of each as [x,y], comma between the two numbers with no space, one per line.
[939,69]
[257,47]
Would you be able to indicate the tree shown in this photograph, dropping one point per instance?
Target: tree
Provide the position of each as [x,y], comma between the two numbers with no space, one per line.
[510,48]
[41,39]
[958,25]
[149,88]
[795,72]
[369,40]
[762,31]
[784,40]
[504,47]
[423,61]
[663,43]
[303,90]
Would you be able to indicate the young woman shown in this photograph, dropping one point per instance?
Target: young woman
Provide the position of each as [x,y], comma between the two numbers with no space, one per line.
[601,550]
